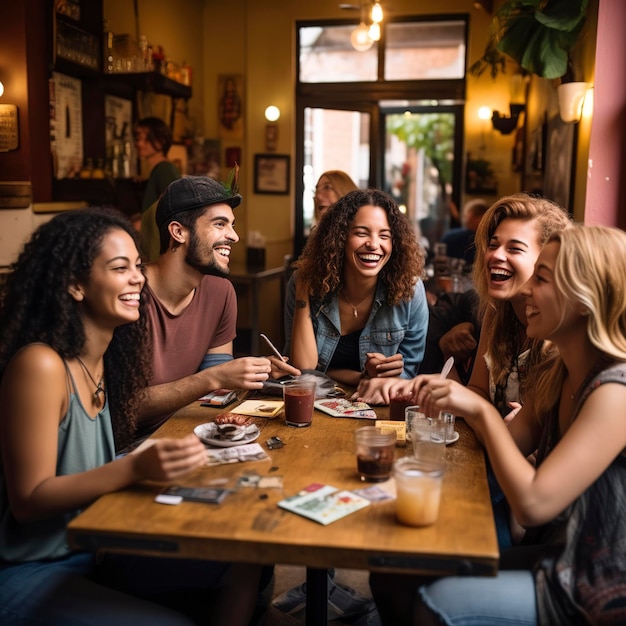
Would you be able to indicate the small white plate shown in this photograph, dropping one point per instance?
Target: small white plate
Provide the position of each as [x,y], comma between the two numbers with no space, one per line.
[454,439]
[202,431]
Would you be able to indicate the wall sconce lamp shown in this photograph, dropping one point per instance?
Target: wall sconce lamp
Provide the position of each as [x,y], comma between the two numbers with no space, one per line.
[1,89]
[272,113]
[506,125]
[571,98]
[518,86]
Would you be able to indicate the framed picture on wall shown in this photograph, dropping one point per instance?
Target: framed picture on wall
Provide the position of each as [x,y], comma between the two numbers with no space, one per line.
[559,162]
[535,161]
[230,106]
[480,177]
[271,173]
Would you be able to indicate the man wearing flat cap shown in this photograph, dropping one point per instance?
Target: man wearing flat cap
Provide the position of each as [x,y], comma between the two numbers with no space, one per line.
[192,307]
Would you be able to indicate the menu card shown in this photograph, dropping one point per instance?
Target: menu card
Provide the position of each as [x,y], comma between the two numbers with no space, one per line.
[324,503]
[236,454]
[341,407]
[259,408]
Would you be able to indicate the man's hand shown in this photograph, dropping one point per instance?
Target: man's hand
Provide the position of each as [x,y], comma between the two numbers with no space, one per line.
[458,342]
[245,373]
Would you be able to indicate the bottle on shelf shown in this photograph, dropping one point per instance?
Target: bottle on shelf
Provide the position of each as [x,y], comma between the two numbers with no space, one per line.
[109,52]
[185,74]
[98,170]
[87,169]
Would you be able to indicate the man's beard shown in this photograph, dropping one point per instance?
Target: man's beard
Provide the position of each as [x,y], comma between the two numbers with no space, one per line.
[194,258]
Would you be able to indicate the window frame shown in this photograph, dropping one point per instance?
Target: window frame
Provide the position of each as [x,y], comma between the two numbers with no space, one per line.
[365,96]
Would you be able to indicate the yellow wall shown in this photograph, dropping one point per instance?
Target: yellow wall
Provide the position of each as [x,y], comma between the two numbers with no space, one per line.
[257,39]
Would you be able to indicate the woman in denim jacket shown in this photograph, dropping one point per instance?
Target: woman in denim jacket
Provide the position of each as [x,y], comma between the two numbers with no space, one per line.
[356,305]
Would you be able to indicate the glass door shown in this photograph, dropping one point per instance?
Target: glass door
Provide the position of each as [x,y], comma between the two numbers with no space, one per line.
[413,152]
[333,138]
[422,164]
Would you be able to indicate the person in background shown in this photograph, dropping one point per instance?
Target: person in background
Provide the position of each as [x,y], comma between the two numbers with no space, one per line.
[356,306]
[570,568]
[453,331]
[331,186]
[74,359]
[460,241]
[192,306]
[153,140]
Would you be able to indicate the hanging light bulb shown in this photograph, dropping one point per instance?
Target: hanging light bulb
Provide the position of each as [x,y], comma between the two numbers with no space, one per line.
[360,38]
[374,31]
[377,13]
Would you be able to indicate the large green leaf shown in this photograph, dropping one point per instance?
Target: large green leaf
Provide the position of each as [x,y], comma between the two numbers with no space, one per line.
[431,132]
[563,15]
[537,34]
[539,50]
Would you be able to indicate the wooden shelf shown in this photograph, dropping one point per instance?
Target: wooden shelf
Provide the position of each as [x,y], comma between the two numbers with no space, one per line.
[123,193]
[151,81]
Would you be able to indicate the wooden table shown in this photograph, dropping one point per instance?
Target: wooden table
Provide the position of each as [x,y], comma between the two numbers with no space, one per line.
[249,526]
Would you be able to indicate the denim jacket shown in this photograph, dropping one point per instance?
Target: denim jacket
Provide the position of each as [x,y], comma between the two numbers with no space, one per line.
[389,330]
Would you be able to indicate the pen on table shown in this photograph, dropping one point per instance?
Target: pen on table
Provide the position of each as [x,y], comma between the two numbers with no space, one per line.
[273,348]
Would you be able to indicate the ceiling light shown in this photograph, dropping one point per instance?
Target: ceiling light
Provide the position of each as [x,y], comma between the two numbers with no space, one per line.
[377,13]
[374,31]
[360,38]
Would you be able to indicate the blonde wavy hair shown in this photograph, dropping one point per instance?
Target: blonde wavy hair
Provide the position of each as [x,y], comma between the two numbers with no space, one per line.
[589,274]
[501,325]
[341,183]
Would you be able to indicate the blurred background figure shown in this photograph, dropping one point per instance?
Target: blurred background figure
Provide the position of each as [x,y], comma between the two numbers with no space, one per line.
[331,186]
[460,241]
[153,139]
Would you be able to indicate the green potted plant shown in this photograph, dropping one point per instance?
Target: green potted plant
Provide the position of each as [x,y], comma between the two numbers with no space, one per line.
[537,34]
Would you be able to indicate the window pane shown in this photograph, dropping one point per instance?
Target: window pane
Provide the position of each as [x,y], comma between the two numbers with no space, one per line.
[419,157]
[333,140]
[425,50]
[326,56]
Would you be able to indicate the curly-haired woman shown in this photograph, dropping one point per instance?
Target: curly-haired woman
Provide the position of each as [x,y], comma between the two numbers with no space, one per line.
[356,305]
[73,362]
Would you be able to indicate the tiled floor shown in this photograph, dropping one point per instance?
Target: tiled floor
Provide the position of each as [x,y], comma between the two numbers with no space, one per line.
[287,576]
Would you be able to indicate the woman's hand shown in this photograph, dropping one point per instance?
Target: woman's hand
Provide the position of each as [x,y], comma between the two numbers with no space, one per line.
[433,394]
[374,390]
[515,407]
[379,365]
[168,459]
[280,369]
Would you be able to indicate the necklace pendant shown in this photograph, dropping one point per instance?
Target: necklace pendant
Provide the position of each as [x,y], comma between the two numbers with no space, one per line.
[99,390]
[355,312]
